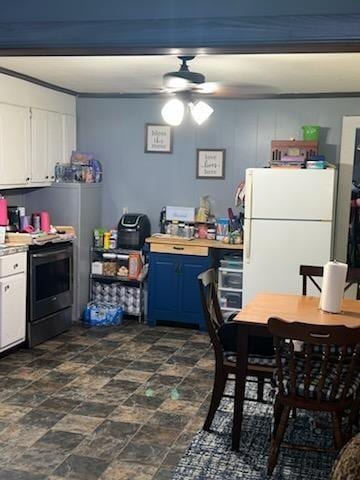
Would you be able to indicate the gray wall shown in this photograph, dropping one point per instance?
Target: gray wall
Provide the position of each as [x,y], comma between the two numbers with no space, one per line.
[114,130]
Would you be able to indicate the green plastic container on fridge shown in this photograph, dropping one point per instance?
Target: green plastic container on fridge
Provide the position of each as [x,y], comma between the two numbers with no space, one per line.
[311,133]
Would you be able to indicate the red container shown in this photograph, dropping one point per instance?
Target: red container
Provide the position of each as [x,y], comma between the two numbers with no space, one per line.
[45,221]
[3,212]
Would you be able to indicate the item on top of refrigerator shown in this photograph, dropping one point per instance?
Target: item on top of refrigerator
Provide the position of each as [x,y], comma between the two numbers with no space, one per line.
[107,236]
[135,265]
[97,268]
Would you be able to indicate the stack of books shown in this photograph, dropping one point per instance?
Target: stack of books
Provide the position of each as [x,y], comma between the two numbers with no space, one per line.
[287,161]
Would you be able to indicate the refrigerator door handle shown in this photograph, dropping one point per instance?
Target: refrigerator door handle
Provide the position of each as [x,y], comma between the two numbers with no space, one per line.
[247,241]
[249,194]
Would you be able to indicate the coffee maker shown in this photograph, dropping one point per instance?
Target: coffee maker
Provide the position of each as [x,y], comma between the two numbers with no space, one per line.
[14,214]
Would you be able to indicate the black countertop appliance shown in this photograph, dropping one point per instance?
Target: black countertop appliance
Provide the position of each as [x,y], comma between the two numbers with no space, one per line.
[133,229]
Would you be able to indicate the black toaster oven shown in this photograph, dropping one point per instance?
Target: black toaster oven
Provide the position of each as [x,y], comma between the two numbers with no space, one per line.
[133,229]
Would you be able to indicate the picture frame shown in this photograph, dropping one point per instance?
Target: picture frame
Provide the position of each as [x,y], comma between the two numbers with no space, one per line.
[210,163]
[158,138]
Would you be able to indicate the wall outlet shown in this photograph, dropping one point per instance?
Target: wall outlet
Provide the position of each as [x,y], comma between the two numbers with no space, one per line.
[125,210]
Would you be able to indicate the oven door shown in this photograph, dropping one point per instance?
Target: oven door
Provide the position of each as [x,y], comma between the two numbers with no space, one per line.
[51,281]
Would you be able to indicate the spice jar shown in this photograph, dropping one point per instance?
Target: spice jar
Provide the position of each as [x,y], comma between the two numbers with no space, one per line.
[202,231]
[211,234]
[174,227]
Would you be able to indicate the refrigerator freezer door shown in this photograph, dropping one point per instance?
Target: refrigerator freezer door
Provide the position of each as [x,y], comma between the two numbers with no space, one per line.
[289,194]
[274,251]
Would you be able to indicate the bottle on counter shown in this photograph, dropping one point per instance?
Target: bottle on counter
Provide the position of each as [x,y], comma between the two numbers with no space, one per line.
[181,230]
[211,234]
[174,227]
[113,239]
[107,236]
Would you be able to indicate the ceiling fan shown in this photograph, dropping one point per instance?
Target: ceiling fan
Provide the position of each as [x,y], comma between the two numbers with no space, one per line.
[183,84]
[185,80]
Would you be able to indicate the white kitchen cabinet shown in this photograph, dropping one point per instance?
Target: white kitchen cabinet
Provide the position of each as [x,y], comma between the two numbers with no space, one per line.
[55,142]
[69,136]
[14,144]
[39,146]
[12,300]
[46,144]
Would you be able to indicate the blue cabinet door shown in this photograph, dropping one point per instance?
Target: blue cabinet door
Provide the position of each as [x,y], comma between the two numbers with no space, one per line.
[190,302]
[164,280]
[173,288]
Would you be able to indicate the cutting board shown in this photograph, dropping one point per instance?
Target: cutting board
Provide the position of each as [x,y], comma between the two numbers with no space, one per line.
[29,238]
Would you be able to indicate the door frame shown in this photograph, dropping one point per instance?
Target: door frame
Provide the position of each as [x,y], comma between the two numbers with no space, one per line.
[346,164]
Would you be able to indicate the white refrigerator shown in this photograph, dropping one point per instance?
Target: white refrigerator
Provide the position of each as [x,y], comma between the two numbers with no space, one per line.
[289,217]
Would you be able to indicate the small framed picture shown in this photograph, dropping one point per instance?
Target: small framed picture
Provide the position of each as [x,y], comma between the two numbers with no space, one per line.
[158,138]
[210,163]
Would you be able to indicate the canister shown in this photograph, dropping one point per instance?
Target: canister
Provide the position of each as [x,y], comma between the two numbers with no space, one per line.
[107,240]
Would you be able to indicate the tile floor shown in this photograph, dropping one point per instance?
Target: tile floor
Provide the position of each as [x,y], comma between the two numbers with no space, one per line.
[111,404]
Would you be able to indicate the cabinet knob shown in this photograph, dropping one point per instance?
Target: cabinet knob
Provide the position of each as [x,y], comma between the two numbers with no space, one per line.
[16,265]
[52,177]
[7,287]
[27,179]
[47,176]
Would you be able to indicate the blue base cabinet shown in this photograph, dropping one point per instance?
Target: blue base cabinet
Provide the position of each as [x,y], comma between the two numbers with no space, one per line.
[173,288]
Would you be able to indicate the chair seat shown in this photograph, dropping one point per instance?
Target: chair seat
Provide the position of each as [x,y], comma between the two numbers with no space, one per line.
[253,360]
[330,381]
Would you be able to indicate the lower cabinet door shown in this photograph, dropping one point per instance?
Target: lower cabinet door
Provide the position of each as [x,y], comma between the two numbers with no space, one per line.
[174,293]
[163,287]
[12,310]
[190,301]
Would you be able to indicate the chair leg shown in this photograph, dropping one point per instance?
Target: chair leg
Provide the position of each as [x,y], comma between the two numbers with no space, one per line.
[338,437]
[353,418]
[260,389]
[278,408]
[217,393]
[277,439]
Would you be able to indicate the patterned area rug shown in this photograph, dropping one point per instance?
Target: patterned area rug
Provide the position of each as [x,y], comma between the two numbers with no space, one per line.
[209,456]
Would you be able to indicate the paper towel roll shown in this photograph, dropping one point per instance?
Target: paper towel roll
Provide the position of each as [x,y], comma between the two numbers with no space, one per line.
[333,285]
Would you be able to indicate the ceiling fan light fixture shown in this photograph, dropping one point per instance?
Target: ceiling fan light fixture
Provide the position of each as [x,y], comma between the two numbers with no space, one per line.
[200,111]
[173,112]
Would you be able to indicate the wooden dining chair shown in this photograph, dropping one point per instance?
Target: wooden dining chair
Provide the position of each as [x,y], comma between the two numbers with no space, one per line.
[316,377]
[310,272]
[260,365]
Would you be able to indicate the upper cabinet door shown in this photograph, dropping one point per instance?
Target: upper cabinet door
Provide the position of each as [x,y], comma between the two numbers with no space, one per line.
[69,136]
[14,144]
[55,142]
[39,146]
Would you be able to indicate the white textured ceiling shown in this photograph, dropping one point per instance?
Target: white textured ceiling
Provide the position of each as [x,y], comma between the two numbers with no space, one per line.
[241,74]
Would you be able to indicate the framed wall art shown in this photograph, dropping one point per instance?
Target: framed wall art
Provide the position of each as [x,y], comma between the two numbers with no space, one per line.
[210,163]
[158,138]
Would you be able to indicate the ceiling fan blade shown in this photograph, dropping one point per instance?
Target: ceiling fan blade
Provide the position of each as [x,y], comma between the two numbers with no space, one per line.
[243,90]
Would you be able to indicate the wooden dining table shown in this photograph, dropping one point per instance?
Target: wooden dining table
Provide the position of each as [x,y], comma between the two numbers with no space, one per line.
[252,320]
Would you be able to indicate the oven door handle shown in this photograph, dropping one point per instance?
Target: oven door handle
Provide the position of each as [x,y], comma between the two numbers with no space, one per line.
[48,254]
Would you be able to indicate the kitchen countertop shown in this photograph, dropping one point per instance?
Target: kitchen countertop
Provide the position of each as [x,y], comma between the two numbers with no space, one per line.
[11,248]
[198,242]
